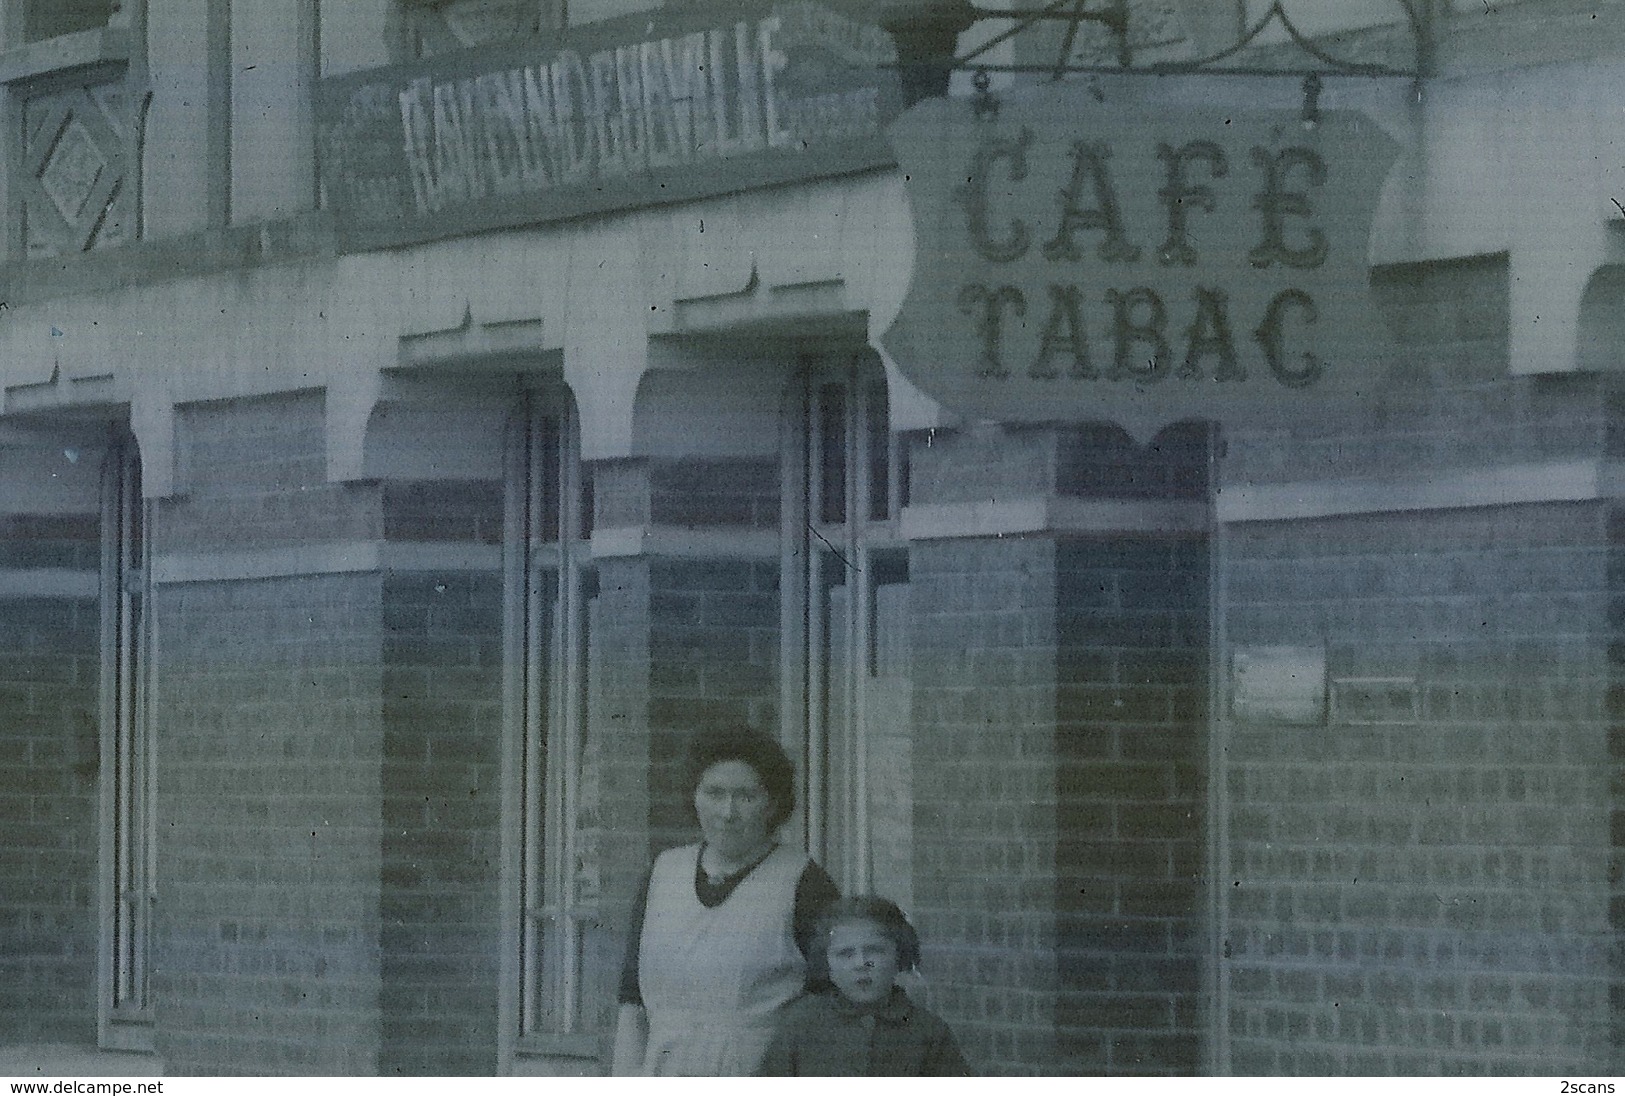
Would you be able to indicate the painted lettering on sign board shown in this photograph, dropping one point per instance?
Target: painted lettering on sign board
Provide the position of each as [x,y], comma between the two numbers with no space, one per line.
[1132,263]
[629,112]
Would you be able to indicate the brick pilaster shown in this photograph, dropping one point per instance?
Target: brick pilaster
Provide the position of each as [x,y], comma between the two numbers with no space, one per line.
[985,645]
[49,670]
[1060,683]
[442,734]
[270,739]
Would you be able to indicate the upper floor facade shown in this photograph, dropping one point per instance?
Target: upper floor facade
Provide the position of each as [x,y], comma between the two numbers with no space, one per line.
[185,219]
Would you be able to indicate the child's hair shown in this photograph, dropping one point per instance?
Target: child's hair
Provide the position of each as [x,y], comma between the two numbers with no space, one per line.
[882,913]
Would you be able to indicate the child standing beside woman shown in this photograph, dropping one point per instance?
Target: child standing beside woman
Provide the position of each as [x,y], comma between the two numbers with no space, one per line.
[865,1025]
[729,934]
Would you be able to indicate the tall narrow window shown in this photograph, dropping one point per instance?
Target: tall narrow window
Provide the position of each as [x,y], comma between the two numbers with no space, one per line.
[127,777]
[846,695]
[566,973]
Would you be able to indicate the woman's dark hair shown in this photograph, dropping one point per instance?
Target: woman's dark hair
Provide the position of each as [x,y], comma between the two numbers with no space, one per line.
[765,756]
[883,913]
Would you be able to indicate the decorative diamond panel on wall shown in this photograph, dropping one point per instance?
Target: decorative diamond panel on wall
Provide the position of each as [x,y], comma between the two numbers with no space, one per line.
[78,188]
[71,170]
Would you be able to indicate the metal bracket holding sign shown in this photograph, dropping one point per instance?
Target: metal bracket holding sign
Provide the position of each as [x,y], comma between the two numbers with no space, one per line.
[1115,16]
[1314,62]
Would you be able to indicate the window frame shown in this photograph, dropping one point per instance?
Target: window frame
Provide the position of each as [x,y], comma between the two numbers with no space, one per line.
[549,583]
[824,701]
[127,853]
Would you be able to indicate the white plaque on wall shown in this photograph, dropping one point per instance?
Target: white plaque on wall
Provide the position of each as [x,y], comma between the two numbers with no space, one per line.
[1278,685]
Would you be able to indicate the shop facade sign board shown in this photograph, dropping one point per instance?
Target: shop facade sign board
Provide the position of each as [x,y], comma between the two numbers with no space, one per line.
[1084,260]
[640,110]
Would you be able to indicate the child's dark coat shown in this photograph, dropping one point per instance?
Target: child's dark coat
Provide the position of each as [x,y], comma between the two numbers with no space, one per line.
[822,1035]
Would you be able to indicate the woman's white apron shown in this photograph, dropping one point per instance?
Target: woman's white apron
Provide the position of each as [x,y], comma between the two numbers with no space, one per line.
[714,980]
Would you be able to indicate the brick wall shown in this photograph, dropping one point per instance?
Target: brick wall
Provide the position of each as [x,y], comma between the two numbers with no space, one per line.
[443,511]
[1427,896]
[736,492]
[1614,708]
[619,716]
[1422,886]
[269,810]
[1132,741]
[442,726]
[49,669]
[1448,402]
[1099,460]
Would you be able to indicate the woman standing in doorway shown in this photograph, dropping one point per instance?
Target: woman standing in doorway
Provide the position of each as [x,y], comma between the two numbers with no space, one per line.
[720,931]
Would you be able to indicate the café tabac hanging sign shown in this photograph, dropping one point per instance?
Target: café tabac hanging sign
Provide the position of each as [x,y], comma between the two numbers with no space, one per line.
[1078,259]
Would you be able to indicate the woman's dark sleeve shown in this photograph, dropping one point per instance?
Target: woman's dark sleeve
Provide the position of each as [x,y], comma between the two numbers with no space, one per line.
[780,1059]
[631,992]
[814,891]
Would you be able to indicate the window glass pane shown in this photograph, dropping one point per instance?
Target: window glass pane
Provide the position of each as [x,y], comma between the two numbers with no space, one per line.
[49,18]
[878,432]
[548,442]
[850,682]
[832,446]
